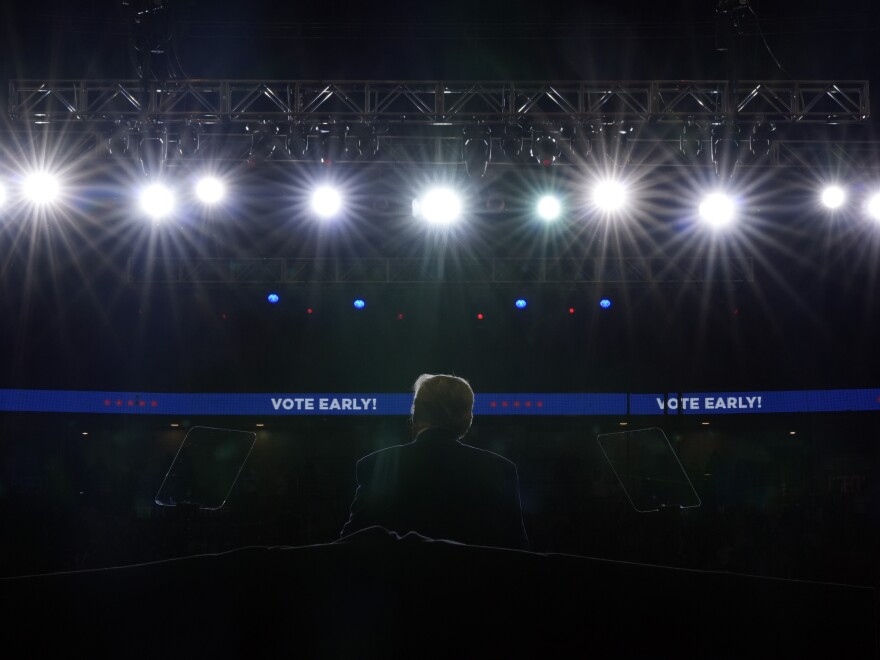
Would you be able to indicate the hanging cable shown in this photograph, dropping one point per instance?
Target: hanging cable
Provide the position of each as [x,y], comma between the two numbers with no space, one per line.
[766,45]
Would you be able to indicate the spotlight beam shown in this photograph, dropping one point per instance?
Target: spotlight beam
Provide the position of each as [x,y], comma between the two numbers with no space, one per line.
[326,202]
[439,206]
[157,201]
[717,209]
[41,188]
[210,190]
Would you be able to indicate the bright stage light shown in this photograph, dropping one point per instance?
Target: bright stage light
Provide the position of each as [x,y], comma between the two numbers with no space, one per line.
[872,207]
[273,298]
[326,202]
[717,209]
[549,208]
[609,195]
[605,303]
[157,201]
[41,188]
[359,303]
[521,303]
[210,190]
[833,197]
[440,206]
[2,195]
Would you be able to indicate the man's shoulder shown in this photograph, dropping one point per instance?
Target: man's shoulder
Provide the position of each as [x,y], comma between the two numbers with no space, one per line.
[385,453]
[488,456]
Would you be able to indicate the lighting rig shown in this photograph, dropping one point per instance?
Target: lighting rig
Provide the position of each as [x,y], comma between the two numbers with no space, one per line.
[479,124]
[599,132]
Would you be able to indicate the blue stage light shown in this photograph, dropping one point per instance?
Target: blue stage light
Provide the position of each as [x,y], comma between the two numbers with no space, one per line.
[359,304]
[273,298]
[520,304]
[604,303]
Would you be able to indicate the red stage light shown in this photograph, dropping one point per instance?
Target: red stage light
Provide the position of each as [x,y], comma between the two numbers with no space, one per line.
[571,310]
[479,317]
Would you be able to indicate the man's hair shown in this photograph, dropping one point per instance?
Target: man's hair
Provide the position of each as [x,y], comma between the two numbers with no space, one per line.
[443,401]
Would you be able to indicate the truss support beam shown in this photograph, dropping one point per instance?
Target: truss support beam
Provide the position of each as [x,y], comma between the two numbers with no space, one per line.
[440,102]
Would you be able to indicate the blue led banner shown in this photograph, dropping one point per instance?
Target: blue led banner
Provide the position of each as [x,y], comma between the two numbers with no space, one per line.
[154,403]
[738,403]
[619,404]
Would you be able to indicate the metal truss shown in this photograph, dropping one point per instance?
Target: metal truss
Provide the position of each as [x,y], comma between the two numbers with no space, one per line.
[636,270]
[439,102]
[431,149]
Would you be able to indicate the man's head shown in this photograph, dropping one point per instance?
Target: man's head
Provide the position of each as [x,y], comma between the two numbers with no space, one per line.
[441,401]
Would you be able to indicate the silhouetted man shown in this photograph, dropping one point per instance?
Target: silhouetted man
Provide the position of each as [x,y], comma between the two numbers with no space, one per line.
[436,485]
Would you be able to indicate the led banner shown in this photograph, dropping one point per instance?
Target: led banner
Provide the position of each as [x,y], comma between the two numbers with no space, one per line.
[278,404]
[738,403]
[153,403]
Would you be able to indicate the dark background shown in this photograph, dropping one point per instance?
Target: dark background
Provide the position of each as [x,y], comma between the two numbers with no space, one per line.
[515,40]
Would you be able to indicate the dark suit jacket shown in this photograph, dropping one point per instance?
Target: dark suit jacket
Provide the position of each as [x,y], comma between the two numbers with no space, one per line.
[442,489]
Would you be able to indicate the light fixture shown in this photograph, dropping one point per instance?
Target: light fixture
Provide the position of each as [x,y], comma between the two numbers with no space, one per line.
[717,209]
[549,208]
[297,141]
[512,142]
[833,197]
[545,147]
[691,140]
[439,206]
[609,195]
[41,188]
[495,203]
[872,207]
[119,141]
[584,138]
[760,139]
[188,139]
[725,149]
[153,149]
[615,142]
[157,201]
[365,141]
[326,201]
[210,190]
[477,150]
[264,141]
[332,143]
